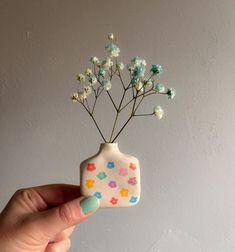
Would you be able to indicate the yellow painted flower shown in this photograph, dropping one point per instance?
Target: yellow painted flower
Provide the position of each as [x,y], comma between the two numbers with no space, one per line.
[124,192]
[90,183]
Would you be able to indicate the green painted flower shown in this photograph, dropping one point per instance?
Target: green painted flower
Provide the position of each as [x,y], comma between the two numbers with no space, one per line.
[101,175]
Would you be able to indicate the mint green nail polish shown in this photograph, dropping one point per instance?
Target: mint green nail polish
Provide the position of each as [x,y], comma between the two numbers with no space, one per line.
[89,205]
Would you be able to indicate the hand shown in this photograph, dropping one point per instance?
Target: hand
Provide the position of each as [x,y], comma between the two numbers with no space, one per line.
[41,219]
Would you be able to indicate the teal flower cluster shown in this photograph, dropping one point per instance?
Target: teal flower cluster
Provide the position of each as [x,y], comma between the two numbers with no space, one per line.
[156,69]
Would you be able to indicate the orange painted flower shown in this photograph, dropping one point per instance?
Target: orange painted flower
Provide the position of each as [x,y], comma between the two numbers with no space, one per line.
[114,201]
[91,167]
[90,183]
[132,166]
[124,192]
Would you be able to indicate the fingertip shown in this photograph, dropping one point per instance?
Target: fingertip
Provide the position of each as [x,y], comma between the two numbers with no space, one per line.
[89,205]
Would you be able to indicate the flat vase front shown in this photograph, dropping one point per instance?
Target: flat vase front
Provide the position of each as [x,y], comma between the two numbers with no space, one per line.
[112,176]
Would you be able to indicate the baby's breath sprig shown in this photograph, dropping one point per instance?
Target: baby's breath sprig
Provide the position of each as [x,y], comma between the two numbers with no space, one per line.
[93,82]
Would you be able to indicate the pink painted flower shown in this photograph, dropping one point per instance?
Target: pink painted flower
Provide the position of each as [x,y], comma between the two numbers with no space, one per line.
[123,172]
[91,167]
[112,184]
[132,181]
[132,166]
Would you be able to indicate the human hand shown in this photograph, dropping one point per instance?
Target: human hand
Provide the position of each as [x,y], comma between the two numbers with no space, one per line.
[41,219]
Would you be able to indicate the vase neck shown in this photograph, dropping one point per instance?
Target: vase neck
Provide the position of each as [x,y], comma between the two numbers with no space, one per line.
[107,147]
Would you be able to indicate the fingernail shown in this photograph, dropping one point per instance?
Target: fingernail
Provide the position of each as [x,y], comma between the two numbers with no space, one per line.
[89,205]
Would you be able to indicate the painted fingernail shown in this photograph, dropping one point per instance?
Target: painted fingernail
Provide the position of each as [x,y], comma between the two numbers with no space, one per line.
[89,205]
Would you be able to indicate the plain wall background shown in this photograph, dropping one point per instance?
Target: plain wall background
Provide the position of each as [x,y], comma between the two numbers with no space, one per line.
[187,159]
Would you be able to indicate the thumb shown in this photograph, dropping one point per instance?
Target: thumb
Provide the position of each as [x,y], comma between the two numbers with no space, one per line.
[54,220]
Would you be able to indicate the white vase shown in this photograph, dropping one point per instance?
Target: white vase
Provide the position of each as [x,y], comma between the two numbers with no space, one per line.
[112,176]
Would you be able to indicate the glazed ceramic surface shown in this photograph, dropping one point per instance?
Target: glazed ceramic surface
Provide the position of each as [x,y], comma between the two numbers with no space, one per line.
[112,176]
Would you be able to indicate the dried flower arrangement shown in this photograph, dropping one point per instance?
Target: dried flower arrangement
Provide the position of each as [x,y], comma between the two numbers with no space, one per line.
[100,79]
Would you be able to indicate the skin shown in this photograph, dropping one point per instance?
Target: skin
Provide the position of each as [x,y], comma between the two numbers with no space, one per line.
[41,219]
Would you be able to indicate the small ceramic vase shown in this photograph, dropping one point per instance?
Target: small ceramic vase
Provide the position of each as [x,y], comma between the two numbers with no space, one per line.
[112,176]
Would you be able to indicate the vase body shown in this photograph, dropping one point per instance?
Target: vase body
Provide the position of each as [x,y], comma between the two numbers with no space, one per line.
[112,176]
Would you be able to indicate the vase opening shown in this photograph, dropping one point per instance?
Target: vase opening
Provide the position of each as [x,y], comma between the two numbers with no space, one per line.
[109,147]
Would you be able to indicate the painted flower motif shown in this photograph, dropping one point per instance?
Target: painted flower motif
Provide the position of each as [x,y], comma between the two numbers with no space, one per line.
[114,201]
[90,183]
[120,65]
[133,199]
[88,72]
[124,192]
[91,166]
[111,36]
[171,92]
[132,181]
[110,165]
[160,88]
[98,195]
[106,84]
[132,166]
[112,184]
[81,77]
[158,112]
[123,172]
[95,60]
[101,72]
[101,175]
[156,69]
[113,50]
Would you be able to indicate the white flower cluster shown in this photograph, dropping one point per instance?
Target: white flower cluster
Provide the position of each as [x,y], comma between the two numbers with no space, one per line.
[158,112]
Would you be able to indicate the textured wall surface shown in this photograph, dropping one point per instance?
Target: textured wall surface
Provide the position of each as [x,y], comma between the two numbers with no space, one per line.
[188,161]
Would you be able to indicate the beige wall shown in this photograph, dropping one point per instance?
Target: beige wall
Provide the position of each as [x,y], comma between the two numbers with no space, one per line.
[188,164]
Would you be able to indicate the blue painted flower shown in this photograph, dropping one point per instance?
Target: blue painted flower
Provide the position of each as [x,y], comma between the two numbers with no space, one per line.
[156,69]
[110,165]
[98,195]
[171,92]
[159,87]
[133,199]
